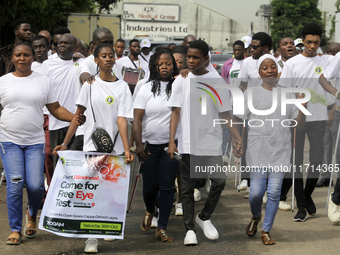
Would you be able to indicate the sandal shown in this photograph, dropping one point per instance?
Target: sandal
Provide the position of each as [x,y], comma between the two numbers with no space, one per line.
[251,229]
[146,223]
[16,236]
[266,238]
[162,235]
[30,226]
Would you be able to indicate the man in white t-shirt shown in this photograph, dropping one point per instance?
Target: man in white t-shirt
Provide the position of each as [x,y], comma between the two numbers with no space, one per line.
[134,60]
[197,139]
[303,71]
[145,50]
[64,77]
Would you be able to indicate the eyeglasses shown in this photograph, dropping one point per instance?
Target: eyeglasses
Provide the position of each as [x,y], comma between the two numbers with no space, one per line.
[255,46]
[300,48]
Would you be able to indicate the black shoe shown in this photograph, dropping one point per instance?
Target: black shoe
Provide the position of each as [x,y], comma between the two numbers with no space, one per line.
[301,215]
[323,182]
[310,206]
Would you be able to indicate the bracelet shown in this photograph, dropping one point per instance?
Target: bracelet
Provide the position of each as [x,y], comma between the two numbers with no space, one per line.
[64,144]
[336,94]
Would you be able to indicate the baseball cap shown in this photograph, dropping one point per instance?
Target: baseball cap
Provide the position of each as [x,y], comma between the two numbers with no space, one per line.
[246,40]
[145,43]
[298,41]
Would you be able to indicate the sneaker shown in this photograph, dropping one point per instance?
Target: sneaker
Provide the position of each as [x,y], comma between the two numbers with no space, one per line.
[109,239]
[190,238]
[301,215]
[178,209]
[207,186]
[197,195]
[243,185]
[226,159]
[208,228]
[310,206]
[264,199]
[162,235]
[146,223]
[284,206]
[333,211]
[154,222]
[246,193]
[91,245]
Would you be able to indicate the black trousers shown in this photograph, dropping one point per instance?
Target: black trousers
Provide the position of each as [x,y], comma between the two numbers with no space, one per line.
[188,186]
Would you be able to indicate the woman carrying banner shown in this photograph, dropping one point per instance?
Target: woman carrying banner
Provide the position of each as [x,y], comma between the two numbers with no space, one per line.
[111,102]
[23,94]
[151,123]
[269,146]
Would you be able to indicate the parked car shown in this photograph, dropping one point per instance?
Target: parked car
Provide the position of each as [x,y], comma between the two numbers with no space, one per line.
[218,59]
[162,44]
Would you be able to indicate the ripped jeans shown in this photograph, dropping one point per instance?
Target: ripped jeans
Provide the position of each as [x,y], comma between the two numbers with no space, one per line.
[24,164]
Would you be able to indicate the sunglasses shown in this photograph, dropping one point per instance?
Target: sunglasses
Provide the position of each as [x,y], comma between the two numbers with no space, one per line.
[255,46]
[300,48]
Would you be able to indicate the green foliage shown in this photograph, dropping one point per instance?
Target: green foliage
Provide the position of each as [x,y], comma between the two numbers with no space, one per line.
[290,16]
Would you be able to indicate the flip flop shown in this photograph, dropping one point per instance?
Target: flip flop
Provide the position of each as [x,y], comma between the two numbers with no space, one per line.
[27,227]
[15,236]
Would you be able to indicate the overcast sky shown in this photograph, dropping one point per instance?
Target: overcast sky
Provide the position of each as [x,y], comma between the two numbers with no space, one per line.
[244,10]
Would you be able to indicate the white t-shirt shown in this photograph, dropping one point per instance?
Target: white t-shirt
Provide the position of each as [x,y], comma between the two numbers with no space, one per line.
[36,66]
[250,72]
[156,120]
[23,99]
[88,65]
[304,72]
[110,100]
[332,74]
[196,134]
[270,143]
[54,55]
[125,61]
[147,57]
[64,77]
[137,88]
[235,71]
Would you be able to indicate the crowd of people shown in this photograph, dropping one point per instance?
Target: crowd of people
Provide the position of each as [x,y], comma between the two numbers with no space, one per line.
[49,84]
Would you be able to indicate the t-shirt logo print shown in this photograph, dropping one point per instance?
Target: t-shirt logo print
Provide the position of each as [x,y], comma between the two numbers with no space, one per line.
[318,70]
[109,100]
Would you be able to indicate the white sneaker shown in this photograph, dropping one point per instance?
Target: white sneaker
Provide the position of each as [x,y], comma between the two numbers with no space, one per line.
[284,206]
[265,198]
[208,228]
[333,211]
[154,222]
[246,193]
[178,209]
[226,159]
[197,195]
[109,239]
[190,238]
[91,245]
[243,185]
[207,186]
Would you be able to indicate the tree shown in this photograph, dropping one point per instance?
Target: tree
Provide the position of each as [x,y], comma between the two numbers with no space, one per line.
[44,14]
[290,16]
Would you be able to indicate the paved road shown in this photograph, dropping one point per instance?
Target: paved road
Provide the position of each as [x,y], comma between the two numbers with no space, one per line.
[315,236]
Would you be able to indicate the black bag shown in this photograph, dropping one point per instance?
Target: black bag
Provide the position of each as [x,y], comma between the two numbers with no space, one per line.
[100,137]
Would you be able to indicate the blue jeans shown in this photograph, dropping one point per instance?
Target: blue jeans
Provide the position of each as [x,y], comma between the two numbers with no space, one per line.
[24,164]
[258,186]
[159,173]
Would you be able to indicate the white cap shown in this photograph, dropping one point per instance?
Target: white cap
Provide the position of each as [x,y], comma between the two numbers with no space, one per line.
[264,57]
[145,43]
[246,40]
[298,41]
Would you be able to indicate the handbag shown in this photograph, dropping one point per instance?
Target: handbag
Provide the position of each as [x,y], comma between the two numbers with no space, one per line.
[100,137]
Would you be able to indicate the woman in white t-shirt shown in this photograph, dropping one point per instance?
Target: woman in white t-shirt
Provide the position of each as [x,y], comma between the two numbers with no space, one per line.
[268,146]
[23,94]
[151,123]
[111,102]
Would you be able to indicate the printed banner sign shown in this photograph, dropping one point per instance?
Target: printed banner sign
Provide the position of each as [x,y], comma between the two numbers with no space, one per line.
[87,197]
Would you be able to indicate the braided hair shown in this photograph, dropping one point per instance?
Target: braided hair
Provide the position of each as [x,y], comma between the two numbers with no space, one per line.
[155,78]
